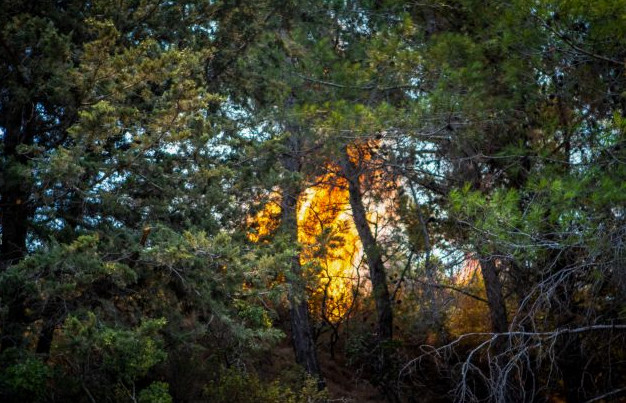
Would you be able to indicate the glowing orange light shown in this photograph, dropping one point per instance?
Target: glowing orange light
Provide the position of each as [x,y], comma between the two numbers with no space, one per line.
[330,242]
[266,221]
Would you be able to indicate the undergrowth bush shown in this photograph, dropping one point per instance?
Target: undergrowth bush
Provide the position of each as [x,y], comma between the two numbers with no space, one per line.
[238,386]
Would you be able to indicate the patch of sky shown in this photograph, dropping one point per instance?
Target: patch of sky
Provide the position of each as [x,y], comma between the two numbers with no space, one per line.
[209,28]
[115,223]
[109,181]
[44,215]
[33,242]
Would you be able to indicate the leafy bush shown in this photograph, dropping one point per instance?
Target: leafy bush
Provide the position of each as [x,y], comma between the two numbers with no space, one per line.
[237,386]
[157,392]
[24,378]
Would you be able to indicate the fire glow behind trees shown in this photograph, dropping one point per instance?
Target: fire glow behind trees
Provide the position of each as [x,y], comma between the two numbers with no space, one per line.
[330,243]
[184,184]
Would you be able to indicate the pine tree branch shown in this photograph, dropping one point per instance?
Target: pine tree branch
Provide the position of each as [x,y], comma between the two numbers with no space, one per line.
[453,288]
[358,87]
[576,47]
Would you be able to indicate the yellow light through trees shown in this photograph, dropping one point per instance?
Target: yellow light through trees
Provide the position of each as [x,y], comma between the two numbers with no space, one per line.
[467,314]
[330,243]
[331,247]
[266,221]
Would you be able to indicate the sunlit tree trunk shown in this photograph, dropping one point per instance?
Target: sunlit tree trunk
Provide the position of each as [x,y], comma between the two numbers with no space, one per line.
[302,336]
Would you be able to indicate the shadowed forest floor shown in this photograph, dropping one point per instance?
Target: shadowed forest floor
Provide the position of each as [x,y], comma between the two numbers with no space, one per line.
[342,382]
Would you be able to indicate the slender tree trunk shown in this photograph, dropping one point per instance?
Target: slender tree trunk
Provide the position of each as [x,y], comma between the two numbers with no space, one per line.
[13,193]
[495,299]
[372,252]
[571,361]
[429,269]
[302,337]
[14,213]
[46,335]
[499,322]
[378,277]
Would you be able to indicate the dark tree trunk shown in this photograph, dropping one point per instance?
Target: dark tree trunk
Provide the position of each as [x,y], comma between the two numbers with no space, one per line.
[495,299]
[46,335]
[302,336]
[572,364]
[14,193]
[372,251]
[378,277]
[14,213]
[14,224]
[430,270]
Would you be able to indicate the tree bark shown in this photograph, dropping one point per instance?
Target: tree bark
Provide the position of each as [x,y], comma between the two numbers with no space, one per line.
[46,335]
[13,191]
[371,250]
[429,269]
[495,299]
[15,214]
[301,334]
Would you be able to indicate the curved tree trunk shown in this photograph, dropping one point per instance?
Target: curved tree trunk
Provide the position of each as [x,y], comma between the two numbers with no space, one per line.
[301,334]
[372,251]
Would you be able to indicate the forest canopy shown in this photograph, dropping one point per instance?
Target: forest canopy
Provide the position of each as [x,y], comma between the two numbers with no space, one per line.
[297,201]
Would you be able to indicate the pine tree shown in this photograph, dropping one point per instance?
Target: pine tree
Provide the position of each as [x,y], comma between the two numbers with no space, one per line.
[119,242]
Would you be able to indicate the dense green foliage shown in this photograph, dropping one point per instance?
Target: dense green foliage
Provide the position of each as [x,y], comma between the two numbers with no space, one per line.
[139,138]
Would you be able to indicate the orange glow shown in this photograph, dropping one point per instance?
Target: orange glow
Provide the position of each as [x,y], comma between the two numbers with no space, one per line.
[266,221]
[331,246]
[330,243]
